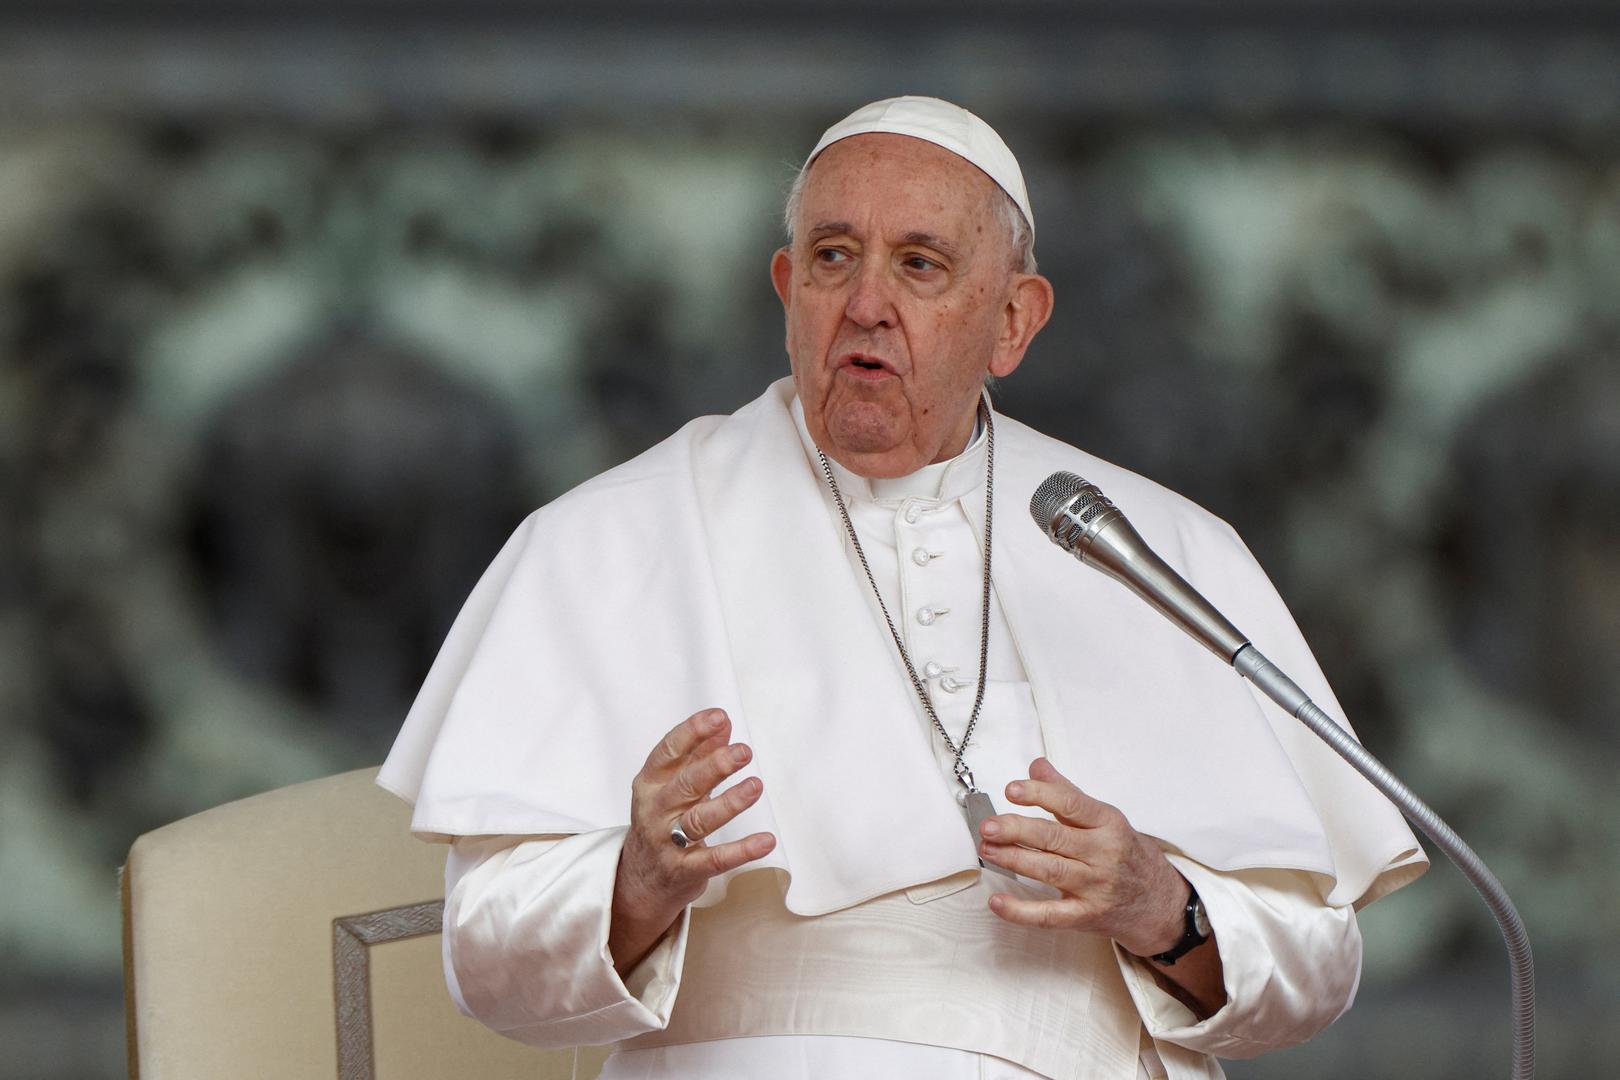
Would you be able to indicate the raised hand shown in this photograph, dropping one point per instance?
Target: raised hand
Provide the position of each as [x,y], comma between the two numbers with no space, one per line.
[656,877]
[1113,880]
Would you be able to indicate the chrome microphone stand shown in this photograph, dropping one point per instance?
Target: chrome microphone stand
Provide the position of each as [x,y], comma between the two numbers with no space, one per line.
[1079,518]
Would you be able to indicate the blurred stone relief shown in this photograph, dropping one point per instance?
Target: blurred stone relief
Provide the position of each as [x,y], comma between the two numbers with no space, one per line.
[274,389]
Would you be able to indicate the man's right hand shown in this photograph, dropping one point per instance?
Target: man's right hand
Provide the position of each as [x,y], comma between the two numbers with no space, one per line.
[657,879]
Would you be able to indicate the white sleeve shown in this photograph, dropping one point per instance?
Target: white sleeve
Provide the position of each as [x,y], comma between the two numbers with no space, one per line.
[1290,963]
[526,942]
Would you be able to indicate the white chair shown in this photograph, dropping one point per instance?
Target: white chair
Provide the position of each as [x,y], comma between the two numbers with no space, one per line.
[296,934]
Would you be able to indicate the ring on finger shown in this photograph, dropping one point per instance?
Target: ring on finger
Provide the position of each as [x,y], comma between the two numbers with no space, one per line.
[679,837]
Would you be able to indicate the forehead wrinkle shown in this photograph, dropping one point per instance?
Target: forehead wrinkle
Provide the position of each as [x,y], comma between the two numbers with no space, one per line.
[925,162]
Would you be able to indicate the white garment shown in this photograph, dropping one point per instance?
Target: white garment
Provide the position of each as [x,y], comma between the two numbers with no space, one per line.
[515,908]
[584,642]
[526,928]
[927,559]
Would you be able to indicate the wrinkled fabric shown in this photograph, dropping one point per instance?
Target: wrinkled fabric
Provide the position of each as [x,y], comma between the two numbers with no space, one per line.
[921,979]
[710,571]
[515,908]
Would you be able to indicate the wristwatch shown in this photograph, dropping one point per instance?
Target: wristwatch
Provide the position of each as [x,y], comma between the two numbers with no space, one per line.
[1195,933]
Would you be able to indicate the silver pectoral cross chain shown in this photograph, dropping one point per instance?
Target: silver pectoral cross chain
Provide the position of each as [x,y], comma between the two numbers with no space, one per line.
[975,803]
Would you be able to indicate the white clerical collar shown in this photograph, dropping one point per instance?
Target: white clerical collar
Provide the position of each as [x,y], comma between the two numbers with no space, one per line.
[942,481]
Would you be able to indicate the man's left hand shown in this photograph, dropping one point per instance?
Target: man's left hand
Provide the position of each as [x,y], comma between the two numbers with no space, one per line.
[1113,880]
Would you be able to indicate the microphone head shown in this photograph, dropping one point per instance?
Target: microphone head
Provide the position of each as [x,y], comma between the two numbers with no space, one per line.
[1070,510]
[1080,519]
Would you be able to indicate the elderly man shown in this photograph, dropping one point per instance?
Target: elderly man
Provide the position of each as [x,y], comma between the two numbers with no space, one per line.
[810,875]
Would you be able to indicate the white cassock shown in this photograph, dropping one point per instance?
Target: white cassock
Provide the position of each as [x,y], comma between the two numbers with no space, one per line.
[713,571]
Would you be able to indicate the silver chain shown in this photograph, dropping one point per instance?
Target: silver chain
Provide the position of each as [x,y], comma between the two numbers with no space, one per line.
[964,775]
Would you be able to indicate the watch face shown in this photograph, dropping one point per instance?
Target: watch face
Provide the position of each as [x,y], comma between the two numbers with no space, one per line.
[1200,919]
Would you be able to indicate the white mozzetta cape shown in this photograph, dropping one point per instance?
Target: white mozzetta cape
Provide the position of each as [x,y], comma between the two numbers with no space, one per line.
[711,571]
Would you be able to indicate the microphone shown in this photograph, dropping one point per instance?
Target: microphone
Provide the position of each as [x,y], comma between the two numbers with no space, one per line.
[1077,517]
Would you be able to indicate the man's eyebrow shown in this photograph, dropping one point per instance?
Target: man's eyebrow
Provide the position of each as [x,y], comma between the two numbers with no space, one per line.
[933,240]
[829,228]
[926,239]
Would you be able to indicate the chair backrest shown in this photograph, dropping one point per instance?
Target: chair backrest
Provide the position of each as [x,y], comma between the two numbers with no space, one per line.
[296,934]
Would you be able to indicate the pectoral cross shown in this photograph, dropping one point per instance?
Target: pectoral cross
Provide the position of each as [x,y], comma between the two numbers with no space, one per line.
[977,806]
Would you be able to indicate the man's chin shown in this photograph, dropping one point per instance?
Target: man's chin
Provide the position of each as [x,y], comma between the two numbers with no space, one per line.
[863,433]
[875,460]
[869,440]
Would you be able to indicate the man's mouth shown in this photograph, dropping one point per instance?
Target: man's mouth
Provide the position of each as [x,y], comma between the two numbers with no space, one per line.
[862,366]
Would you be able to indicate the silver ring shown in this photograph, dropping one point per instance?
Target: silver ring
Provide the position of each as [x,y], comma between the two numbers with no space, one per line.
[678,834]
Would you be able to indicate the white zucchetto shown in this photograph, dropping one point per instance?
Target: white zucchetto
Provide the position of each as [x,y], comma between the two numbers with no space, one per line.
[943,124]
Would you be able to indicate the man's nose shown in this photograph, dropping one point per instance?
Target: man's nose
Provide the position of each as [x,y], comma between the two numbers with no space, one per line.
[870,302]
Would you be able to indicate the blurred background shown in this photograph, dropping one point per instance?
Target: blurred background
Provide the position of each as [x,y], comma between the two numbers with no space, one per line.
[301,312]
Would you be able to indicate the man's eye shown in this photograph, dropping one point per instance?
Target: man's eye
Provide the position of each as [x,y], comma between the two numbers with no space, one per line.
[917,262]
[830,256]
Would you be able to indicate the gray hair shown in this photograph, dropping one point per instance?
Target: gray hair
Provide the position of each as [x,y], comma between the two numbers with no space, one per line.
[1021,241]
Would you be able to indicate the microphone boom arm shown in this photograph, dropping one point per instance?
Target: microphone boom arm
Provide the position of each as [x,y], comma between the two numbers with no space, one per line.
[1270,680]
[1079,518]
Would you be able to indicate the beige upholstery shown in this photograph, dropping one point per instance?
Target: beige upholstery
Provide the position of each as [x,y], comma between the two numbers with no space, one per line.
[295,934]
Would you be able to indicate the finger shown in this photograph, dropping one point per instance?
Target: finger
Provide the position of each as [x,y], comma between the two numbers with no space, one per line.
[707,816]
[1053,792]
[709,745]
[711,861]
[680,741]
[1064,913]
[697,778]
[1043,769]
[1065,875]
[1016,829]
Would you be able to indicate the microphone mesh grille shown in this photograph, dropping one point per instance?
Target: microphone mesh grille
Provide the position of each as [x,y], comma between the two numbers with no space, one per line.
[1053,495]
[1090,505]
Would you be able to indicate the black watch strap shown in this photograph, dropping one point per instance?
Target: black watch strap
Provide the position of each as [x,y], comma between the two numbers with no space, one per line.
[1194,933]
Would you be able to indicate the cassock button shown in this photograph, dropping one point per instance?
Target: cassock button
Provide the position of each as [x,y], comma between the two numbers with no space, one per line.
[934,669]
[913,514]
[951,684]
[922,556]
[927,615]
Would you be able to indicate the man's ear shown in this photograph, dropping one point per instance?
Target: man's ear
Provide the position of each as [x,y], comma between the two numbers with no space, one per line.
[1028,308]
[782,273]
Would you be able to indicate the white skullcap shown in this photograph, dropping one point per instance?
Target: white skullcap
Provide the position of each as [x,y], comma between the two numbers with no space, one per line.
[942,124]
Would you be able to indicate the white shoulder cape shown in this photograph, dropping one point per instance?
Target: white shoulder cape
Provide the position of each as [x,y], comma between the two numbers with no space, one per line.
[709,571]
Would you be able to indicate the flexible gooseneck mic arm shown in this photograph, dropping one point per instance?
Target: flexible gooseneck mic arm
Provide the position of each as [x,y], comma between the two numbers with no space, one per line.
[1077,517]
